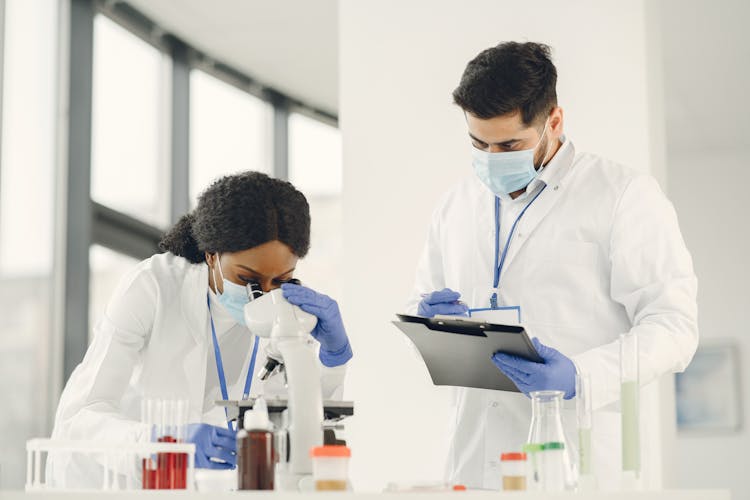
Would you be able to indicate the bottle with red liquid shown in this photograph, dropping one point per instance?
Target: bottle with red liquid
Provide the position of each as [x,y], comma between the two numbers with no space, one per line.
[256,460]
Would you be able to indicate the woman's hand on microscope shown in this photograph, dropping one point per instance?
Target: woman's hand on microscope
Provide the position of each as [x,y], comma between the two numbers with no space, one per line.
[215,447]
[335,349]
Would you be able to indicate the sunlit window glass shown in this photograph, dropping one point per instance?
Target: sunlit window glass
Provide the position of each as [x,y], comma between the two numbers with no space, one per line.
[230,131]
[314,156]
[129,160]
[315,169]
[27,175]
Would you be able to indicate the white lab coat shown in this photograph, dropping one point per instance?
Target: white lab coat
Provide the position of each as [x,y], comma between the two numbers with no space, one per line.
[154,341]
[598,254]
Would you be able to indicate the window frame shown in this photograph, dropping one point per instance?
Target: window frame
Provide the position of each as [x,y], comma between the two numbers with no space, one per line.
[85,222]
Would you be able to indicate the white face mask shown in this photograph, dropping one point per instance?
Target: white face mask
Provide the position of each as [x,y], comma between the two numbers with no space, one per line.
[234,298]
[506,172]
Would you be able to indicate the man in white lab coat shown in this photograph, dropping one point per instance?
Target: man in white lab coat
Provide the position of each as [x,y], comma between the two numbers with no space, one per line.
[586,248]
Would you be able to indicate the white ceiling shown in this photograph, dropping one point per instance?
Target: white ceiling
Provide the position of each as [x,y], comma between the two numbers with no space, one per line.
[291,45]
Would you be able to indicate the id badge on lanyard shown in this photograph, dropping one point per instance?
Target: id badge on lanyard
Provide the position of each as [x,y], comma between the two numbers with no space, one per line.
[503,315]
[499,315]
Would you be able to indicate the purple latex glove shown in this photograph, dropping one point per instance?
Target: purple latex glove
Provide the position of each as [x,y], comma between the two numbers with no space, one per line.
[556,373]
[335,349]
[444,301]
[213,442]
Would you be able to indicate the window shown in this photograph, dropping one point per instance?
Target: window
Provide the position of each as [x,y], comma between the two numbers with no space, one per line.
[315,169]
[314,156]
[130,150]
[230,131]
[107,269]
[26,228]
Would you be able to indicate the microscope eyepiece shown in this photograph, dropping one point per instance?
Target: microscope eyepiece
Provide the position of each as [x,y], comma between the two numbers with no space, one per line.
[254,290]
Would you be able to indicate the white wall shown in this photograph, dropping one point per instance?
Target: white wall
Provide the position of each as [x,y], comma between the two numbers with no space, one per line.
[706,80]
[715,226]
[404,144]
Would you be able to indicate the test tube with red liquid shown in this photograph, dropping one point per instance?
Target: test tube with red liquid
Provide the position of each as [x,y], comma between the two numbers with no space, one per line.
[167,471]
[150,416]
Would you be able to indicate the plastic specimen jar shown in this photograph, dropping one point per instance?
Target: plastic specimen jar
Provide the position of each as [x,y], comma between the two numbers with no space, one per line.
[513,468]
[330,466]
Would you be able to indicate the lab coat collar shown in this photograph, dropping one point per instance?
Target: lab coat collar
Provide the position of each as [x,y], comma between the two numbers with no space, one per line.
[552,172]
[559,166]
[556,172]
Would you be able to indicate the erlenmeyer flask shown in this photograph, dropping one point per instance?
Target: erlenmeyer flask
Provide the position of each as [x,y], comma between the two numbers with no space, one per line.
[552,454]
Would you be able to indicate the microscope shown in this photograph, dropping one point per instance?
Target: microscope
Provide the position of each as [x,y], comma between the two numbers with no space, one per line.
[303,419]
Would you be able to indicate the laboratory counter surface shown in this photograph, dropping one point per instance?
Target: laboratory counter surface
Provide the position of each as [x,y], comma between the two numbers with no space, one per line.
[465,495]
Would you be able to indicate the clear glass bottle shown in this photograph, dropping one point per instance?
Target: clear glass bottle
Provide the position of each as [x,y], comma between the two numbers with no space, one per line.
[585,421]
[554,464]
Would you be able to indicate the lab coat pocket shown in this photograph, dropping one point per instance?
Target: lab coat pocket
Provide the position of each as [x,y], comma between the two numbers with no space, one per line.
[507,417]
[560,281]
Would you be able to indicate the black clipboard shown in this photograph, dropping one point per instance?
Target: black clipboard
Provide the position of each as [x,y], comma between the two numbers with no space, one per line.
[457,351]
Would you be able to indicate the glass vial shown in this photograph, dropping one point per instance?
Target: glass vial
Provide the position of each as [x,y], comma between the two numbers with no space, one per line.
[630,407]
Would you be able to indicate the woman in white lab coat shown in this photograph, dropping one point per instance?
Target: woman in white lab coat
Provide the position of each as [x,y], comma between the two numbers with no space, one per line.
[177,318]
[585,248]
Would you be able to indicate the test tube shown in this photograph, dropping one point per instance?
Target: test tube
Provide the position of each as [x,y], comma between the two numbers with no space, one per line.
[585,424]
[148,417]
[629,407]
[179,474]
[164,436]
[583,413]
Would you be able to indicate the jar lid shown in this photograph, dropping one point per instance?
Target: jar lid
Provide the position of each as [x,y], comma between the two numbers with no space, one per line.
[331,451]
[531,447]
[553,446]
[513,456]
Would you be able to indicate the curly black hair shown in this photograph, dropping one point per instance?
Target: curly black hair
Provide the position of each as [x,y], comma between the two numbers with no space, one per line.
[238,212]
[507,78]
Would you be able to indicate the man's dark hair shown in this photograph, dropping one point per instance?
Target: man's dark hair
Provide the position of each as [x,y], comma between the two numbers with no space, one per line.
[238,212]
[508,78]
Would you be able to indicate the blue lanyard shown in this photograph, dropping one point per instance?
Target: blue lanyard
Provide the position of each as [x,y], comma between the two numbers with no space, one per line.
[500,258]
[220,365]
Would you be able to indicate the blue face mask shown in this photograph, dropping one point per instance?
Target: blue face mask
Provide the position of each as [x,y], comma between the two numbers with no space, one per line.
[234,298]
[507,172]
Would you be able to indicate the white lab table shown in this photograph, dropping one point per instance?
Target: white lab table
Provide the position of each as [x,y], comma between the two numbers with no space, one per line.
[460,495]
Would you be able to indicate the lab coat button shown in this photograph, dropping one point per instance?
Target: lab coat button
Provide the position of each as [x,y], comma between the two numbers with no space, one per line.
[493,404]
